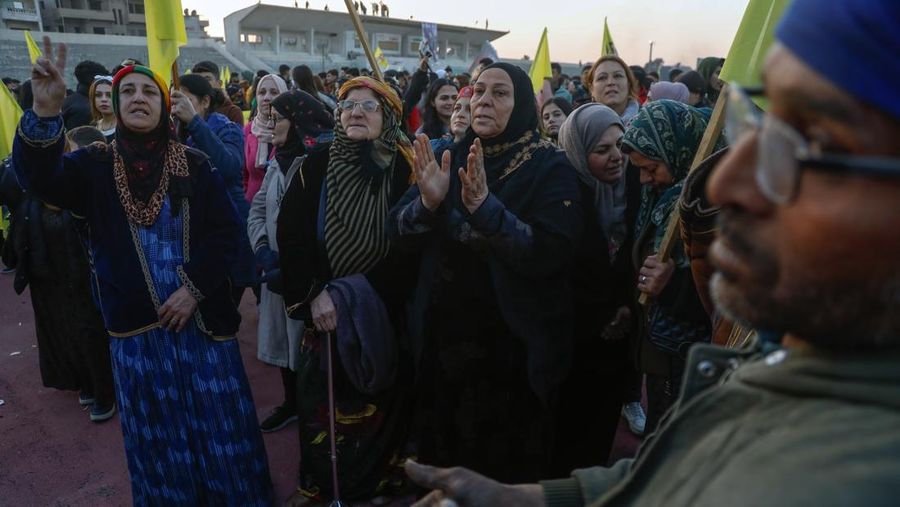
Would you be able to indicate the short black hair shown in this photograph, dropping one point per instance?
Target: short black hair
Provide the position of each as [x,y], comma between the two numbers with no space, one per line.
[8,80]
[485,61]
[283,67]
[674,73]
[262,73]
[207,66]
[86,70]
[555,66]
[332,72]
[353,71]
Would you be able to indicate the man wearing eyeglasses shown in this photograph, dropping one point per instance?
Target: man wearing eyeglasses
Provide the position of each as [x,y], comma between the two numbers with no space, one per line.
[808,248]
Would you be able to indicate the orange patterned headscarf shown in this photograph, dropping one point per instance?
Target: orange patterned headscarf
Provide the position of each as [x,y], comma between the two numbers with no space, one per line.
[392,132]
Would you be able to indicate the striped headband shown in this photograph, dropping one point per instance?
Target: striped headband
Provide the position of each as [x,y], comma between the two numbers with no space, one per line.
[145,71]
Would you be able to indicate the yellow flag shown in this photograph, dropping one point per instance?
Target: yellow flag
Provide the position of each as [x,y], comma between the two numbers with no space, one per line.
[540,67]
[380,58]
[752,41]
[608,47]
[227,77]
[34,51]
[165,32]
[10,112]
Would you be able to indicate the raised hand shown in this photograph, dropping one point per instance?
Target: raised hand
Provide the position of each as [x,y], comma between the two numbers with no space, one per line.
[473,178]
[182,107]
[432,180]
[47,83]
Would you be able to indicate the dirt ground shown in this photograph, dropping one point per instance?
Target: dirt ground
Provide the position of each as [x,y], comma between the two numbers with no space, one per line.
[51,454]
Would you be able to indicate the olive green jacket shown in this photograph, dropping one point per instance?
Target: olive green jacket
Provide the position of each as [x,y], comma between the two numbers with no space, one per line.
[786,429]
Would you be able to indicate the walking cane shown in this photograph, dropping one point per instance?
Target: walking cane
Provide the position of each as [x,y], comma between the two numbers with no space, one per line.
[331,411]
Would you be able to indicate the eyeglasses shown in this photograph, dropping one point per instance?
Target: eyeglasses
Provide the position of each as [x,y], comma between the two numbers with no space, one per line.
[369,106]
[781,151]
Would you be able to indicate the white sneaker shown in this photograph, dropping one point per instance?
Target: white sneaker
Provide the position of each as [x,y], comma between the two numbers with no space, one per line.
[634,413]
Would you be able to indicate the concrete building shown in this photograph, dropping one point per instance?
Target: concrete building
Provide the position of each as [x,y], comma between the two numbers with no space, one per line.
[20,15]
[265,36]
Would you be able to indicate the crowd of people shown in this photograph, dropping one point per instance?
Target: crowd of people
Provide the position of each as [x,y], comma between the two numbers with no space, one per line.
[446,271]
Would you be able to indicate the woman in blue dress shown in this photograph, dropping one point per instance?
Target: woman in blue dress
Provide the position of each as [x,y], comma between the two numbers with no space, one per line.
[161,232]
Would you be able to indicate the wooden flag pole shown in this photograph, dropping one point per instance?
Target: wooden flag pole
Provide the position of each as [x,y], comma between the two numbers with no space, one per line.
[707,144]
[354,16]
[176,84]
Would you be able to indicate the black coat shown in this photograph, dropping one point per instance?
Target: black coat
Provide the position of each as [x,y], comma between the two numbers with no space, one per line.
[76,109]
[304,263]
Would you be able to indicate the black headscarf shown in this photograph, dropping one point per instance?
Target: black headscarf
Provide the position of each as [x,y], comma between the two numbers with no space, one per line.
[521,129]
[537,184]
[311,125]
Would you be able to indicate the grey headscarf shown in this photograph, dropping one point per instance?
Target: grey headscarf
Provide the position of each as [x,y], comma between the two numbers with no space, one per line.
[578,136]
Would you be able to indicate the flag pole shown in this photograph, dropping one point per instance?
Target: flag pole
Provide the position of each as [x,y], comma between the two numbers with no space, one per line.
[354,16]
[175,83]
[707,144]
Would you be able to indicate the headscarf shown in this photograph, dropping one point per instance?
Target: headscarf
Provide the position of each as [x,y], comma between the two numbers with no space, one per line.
[143,163]
[261,123]
[578,136]
[672,91]
[311,125]
[842,41]
[706,67]
[669,132]
[464,93]
[506,152]
[358,184]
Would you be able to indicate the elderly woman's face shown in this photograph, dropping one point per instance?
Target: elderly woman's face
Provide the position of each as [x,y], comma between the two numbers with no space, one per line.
[653,172]
[359,124]
[610,85]
[606,161]
[493,100]
[266,92]
[140,103]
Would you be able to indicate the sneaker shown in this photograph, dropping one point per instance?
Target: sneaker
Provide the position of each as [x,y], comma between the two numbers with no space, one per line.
[634,413]
[100,413]
[280,418]
[85,399]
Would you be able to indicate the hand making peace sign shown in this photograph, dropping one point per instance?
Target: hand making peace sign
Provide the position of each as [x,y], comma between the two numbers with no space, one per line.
[47,82]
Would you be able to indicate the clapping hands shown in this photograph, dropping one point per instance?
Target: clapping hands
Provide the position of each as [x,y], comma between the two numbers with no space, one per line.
[433,180]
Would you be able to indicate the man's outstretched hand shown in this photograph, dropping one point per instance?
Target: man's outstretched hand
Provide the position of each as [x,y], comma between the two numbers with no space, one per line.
[464,488]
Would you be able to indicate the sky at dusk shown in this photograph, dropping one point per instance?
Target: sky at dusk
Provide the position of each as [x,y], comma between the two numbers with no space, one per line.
[682,30]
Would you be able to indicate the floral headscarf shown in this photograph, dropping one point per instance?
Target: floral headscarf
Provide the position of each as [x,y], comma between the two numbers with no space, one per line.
[311,125]
[670,132]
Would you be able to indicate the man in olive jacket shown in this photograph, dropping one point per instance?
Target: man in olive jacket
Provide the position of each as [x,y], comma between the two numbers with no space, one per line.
[808,247]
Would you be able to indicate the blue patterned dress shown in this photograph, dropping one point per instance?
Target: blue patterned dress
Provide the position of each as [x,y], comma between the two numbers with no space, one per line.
[188,419]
